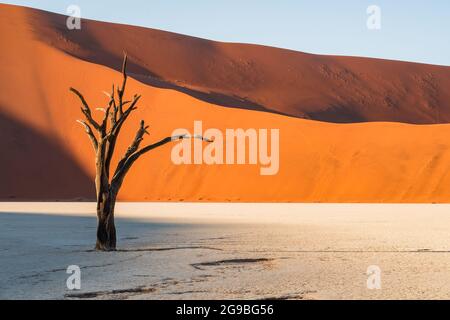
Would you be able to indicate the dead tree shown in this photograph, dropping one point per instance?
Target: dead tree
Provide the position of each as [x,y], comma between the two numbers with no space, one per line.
[103,136]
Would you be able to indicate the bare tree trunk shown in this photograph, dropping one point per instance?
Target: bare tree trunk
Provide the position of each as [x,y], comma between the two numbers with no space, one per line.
[104,142]
[106,229]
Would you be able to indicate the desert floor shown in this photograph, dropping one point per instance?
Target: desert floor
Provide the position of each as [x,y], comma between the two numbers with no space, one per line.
[227,251]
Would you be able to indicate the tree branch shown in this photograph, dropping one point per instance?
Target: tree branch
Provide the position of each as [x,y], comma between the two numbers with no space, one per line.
[117,123]
[108,131]
[86,110]
[114,133]
[90,134]
[135,144]
[165,141]
[122,170]
[116,109]
[116,128]
[104,125]
[121,91]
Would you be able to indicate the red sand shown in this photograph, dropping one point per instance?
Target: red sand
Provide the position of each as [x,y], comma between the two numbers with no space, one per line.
[46,155]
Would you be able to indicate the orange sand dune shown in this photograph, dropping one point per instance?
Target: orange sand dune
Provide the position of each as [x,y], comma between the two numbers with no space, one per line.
[326,88]
[46,156]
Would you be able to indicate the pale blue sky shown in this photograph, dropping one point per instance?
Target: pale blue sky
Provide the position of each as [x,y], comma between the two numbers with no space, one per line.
[412,30]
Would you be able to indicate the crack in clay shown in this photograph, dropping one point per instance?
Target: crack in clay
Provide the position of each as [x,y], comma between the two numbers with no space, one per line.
[229,262]
[39,274]
[155,249]
[216,238]
[96,294]
[293,296]
[353,251]
[167,249]
[141,290]
[179,293]
[125,293]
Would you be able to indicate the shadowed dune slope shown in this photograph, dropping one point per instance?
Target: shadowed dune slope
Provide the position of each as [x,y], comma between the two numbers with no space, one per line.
[26,161]
[319,161]
[325,88]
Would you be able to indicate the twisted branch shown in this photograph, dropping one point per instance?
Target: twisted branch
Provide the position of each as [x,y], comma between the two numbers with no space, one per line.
[86,110]
[90,134]
[105,144]
[126,163]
